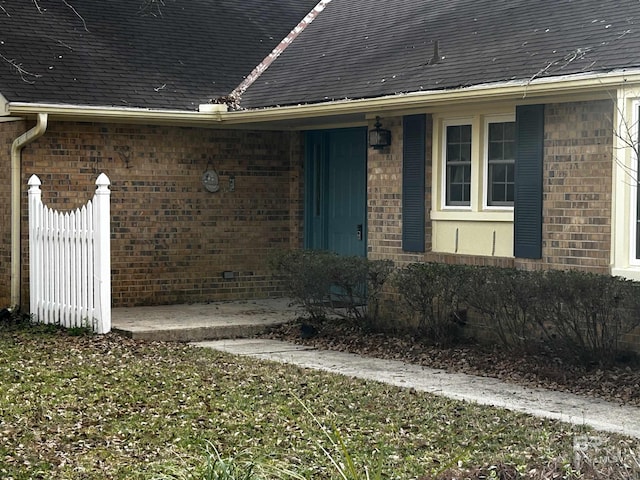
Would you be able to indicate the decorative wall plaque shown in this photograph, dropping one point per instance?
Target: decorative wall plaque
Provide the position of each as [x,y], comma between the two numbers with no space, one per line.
[211,181]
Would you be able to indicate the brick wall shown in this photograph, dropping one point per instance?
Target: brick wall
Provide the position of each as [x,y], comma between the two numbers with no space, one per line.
[578,158]
[577,193]
[384,202]
[171,239]
[384,197]
[8,132]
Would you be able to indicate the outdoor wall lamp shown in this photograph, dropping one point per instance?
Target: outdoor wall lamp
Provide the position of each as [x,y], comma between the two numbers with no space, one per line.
[379,137]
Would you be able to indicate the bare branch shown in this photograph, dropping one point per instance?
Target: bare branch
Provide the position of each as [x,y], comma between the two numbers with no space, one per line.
[152,7]
[24,74]
[40,10]
[626,134]
[577,54]
[5,11]
[77,14]
[60,42]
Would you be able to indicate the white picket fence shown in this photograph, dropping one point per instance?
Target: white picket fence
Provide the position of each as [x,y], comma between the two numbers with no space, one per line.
[70,261]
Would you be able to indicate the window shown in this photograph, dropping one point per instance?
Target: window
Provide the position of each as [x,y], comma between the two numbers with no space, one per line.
[500,163]
[458,165]
[636,159]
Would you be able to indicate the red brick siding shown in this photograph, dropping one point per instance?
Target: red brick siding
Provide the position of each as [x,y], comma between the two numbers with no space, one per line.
[578,167]
[171,239]
[578,156]
[384,197]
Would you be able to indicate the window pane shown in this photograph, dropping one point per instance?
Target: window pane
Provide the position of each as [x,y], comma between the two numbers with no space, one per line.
[458,160]
[467,173]
[465,152]
[498,173]
[510,150]
[455,194]
[466,193]
[453,152]
[495,151]
[495,131]
[501,159]
[453,134]
[511,173]
[510,130]
[465,133]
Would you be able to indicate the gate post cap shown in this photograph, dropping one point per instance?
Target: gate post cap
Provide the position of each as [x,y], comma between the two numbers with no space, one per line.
[34,181]
[102,180]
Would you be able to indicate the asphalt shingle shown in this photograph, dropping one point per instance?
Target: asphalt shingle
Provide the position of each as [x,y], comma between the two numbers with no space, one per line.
[174,54]
[370,48]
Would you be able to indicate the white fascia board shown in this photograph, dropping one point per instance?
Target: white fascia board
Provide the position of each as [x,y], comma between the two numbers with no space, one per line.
[519,90]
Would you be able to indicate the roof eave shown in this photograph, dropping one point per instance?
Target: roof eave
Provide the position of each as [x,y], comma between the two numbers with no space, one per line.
[217,116]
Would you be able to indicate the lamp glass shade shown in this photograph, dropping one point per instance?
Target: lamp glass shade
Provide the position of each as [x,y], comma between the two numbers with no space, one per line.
[379,138]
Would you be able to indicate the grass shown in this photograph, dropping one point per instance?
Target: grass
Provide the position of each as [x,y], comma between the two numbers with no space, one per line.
[108,407]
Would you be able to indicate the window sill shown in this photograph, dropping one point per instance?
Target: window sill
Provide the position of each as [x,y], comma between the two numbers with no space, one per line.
[469,216]
[630,273]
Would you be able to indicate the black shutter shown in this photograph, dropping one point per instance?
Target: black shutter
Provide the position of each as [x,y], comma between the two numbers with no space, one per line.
[527,228]
[413,158]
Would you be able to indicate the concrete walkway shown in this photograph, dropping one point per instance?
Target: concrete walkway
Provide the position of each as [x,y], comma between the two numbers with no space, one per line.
[579,410]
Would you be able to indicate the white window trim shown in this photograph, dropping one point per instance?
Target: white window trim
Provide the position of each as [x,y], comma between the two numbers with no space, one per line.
[633,188]
[624,193]
[449,122]
[485,161]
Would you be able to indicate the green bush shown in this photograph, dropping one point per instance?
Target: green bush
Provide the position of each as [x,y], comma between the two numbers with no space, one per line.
[587,314]
[506,298]
[326,283]
[306,275]
[569,312]
[433,292]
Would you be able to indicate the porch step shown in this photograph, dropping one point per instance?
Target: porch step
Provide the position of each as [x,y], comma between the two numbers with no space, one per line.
[199,322]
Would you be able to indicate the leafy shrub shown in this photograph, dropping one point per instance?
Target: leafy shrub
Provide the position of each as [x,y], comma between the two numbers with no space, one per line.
[324,282]
[432,292]
[307,278]
[582,314]
[378,273]
[588,313]
[506,298]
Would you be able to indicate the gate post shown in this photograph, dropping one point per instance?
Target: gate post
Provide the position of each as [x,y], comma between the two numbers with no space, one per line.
[102,272]
[35,262]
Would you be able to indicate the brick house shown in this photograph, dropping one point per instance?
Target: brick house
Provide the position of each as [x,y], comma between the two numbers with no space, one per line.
[513,134]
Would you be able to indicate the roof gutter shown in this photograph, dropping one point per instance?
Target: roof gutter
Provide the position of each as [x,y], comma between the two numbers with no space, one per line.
[16,174]
[217,114]
[522,90]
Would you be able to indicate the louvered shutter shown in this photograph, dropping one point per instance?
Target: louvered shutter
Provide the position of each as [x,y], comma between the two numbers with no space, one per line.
[413,167]
[527,226]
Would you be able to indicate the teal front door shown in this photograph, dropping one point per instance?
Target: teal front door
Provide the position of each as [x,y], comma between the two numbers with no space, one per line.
[336,191]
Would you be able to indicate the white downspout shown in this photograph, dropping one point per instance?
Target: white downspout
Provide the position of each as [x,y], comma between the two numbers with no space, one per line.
[16,173]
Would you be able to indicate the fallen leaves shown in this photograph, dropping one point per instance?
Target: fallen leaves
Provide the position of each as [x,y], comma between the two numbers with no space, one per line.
[110,407]
[619,384]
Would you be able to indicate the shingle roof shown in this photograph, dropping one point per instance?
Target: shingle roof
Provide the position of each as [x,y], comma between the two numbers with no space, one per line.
[175,57]
[370,48]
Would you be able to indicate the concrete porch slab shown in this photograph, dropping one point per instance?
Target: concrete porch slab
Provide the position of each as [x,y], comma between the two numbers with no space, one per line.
[202,321]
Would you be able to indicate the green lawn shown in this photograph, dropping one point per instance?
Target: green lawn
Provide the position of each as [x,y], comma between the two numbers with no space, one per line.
[107,407]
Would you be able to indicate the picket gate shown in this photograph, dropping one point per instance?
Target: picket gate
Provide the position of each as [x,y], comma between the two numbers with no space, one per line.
[70,261]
